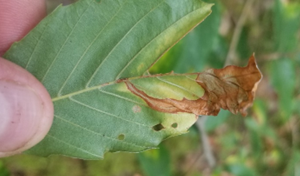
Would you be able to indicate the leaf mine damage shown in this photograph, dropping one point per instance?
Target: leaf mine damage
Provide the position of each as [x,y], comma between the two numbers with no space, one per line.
[231,88]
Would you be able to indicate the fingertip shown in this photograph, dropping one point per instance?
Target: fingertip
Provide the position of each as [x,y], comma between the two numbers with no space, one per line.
[26,109]
[21,111]
[17,18]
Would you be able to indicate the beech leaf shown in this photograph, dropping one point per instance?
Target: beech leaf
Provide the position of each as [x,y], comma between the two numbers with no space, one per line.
[93,57]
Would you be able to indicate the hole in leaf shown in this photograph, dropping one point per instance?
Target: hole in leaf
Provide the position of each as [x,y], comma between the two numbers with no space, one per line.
[174,125]
[121,137]
[158,127]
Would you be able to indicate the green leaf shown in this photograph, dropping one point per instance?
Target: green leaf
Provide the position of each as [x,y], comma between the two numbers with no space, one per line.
[254,135]
[243,47]
[156,162]
[213,122]
[80,51]
[293,164]
[283,78]
[240,170]
[220,48]
[3,170]
[286,25]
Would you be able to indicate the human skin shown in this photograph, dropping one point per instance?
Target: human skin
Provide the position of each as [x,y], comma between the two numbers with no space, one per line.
[26,109]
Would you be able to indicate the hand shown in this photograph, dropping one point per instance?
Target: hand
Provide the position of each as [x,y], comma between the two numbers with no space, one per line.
[26,109]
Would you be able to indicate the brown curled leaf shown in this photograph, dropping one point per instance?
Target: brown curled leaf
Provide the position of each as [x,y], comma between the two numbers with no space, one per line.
[231,88]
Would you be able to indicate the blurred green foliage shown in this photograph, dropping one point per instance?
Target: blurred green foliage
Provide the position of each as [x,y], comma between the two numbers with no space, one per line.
[191,53]
[265,143]
[3,170]
[283,78]
[156,162]
[286,26]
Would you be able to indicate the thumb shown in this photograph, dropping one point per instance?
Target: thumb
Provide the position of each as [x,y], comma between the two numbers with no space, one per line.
[26,109]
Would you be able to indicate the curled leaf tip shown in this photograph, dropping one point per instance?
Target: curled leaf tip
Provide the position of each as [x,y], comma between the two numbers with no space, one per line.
[231,88]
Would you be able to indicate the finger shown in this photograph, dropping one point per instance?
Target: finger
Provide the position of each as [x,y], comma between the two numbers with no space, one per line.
[26,110]
[17,18]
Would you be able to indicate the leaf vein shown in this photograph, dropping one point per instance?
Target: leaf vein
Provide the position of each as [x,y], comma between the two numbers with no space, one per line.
[61,48]
[37,43]
[104,112]
[82,56]
[87,85]
[99,134]
[175,85]
[118,96]
[162,33]
[69,144]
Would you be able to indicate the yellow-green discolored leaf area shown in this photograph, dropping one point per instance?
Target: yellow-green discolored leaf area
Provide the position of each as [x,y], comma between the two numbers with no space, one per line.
[80,52]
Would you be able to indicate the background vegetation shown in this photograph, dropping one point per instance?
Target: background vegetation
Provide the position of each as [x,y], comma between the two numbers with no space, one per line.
[266,142]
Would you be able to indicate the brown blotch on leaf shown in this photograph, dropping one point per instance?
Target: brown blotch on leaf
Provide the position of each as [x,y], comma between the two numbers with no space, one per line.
[158,127]
[231,88]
